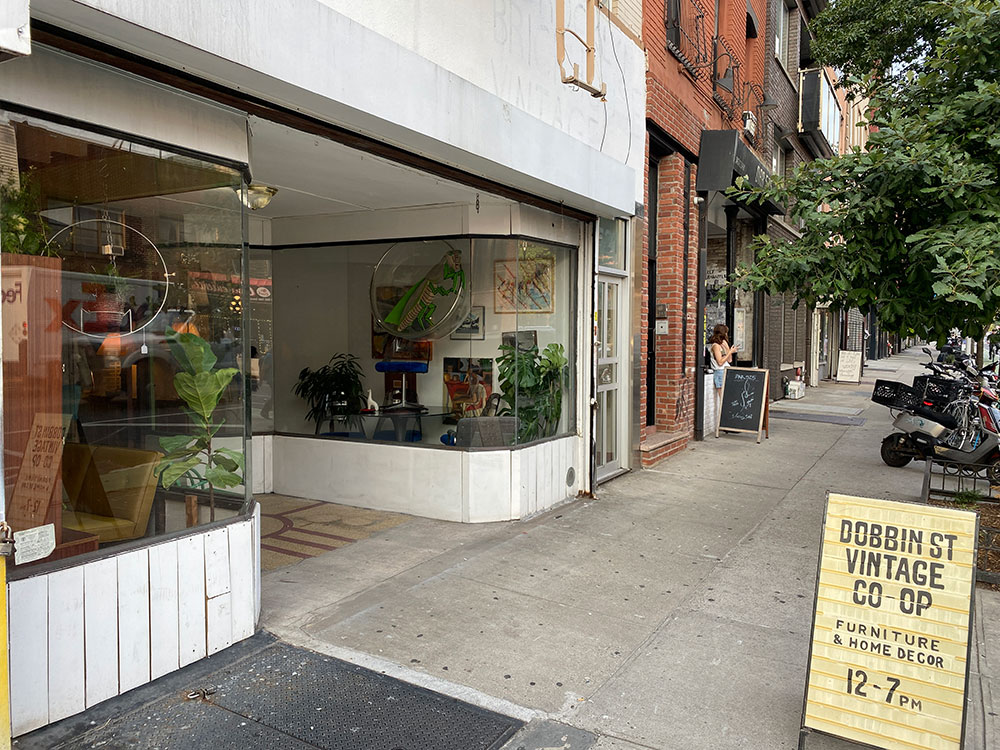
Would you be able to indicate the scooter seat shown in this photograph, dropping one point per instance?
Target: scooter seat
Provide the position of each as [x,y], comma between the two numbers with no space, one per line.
[945,420]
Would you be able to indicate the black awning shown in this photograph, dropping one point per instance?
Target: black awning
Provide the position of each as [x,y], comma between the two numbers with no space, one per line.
[753,25]
[722,157]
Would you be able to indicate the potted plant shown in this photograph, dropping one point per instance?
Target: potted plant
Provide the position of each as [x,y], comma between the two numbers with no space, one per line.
[333,391]
[535,380]
[201,385]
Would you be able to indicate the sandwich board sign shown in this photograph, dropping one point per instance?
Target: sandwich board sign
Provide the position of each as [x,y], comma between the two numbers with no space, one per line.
[849,367]
[744,406]
[889,653]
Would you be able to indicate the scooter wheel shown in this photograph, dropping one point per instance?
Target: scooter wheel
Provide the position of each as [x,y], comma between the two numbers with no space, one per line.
[891,453]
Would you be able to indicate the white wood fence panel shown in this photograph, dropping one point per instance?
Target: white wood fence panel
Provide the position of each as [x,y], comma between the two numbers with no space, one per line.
[241,578]
[100,616]
[27,624]
[191,598]
[67,685]
[220,623]
[217,562]
[133,619]
[164,627]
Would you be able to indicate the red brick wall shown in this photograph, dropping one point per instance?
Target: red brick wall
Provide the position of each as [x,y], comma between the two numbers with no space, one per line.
[681,105]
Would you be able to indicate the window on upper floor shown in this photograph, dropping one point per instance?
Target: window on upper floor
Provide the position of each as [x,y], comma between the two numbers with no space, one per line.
[782,36]
[778,159]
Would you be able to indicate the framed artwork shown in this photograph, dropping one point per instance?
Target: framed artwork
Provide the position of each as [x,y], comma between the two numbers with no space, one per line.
[525,340]
[472,328]
[468,383]
[525,285]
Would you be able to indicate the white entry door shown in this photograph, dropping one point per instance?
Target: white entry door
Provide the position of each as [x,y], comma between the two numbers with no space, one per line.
[609,393]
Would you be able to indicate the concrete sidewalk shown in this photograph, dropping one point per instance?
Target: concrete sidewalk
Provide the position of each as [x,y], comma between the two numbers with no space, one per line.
[673,611]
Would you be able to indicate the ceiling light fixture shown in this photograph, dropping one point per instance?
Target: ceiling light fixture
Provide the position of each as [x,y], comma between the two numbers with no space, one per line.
[256,197]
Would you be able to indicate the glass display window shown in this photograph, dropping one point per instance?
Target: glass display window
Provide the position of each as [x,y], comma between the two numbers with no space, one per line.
[123,363]
[448,343]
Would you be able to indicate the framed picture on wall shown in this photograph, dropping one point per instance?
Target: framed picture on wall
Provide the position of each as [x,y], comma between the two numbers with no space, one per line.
[472,328]
[524,340]
[524,285]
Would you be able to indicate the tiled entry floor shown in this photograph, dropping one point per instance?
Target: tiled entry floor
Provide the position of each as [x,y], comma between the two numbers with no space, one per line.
[294,529]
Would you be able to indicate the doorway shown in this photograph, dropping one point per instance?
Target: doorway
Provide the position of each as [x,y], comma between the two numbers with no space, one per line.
[609,392]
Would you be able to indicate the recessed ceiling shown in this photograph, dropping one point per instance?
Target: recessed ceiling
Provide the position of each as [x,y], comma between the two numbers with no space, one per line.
[317,176]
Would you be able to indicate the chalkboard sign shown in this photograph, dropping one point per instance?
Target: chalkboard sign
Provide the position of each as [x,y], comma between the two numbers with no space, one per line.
[744,401]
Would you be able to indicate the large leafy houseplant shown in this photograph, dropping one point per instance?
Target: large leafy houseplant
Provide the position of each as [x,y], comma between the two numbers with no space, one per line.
[333,390]
[532,384]
[201,385]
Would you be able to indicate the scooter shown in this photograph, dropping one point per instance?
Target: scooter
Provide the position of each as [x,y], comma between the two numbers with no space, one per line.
[922,432]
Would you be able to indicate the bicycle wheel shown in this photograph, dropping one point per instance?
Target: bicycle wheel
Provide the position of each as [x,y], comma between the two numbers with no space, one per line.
[961,411]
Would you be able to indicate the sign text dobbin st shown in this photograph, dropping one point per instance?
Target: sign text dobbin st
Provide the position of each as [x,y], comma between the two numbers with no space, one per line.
[890,642]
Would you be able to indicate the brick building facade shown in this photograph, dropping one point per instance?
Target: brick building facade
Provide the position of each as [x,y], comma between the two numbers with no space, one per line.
[696,82]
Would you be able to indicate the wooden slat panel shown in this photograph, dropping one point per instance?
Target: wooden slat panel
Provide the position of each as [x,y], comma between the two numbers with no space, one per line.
[544,458]
[220,623]
[191,598]
[164,649]
[241,576]
[67,686]
[28,629]
[529,479]
[133,619]
[100,618]
[217,562]
[256,563]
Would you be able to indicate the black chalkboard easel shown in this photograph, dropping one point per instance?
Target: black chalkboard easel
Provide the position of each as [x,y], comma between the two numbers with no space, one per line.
[744,405]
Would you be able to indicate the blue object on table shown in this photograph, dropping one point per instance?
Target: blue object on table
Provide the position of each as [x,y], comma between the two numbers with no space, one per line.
[400,366]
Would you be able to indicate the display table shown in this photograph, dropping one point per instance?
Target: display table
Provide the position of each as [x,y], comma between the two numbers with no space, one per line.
[405,422]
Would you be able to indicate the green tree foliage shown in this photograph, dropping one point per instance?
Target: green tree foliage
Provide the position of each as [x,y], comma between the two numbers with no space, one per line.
[886,37]
[910,227]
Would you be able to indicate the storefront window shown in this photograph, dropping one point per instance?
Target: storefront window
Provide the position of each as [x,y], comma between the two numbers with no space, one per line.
[123,358]
[449,343]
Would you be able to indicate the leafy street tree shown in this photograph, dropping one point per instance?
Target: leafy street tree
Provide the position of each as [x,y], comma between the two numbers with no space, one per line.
[911,227]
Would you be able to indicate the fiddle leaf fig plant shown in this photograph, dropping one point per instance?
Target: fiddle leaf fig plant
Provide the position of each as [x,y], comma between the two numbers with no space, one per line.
[201,385]
[532,384]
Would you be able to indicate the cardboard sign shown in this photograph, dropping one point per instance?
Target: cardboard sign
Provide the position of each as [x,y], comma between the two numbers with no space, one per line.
[849,367]
[36,479]
[744,401]
[889,657]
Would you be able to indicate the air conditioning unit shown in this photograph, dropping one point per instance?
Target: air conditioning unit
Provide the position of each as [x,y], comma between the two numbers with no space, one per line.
[749,123]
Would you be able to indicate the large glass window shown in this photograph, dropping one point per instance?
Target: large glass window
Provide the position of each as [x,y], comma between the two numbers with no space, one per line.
[445,343]
[123,339]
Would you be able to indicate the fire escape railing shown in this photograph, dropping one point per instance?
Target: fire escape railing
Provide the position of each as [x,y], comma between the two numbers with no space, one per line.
[687,38]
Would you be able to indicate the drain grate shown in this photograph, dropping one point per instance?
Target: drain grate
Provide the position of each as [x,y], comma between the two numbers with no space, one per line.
[285,698]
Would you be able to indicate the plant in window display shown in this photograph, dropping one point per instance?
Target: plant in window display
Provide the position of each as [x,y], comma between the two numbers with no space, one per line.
[333,391]
[21,227]
[201,385]
[535,380]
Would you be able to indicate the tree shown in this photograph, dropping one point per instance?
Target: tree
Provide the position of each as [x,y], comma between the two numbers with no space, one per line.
[911,227]
[885,37]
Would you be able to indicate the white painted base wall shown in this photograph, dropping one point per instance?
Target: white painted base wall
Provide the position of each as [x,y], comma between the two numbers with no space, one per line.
[711,413]
[91,632]
[261,448]
[451,485]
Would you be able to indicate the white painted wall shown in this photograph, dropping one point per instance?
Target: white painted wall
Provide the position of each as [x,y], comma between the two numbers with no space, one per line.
[515,122]
[451,485]
[15,31]
[88,633]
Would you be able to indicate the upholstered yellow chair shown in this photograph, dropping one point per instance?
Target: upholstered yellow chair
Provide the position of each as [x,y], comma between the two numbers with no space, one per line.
[109,490]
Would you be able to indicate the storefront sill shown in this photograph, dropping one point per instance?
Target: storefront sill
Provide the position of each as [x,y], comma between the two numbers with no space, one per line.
[32,570]
[658,440]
